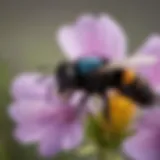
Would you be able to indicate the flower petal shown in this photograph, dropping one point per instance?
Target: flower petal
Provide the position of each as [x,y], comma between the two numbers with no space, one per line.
[68,43]
[30,86]
[73,135]
[61,137]
[151,73]
[143,146]
[150,119]
[29,133]
[114,38]
[91,36]
[29,111]
[51,142]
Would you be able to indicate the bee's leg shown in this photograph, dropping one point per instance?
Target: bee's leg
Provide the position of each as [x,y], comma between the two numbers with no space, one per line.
[83,100]
[65,95]
[106,107]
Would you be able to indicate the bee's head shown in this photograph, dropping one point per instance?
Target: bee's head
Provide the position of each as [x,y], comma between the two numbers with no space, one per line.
[137,89]
[65,76]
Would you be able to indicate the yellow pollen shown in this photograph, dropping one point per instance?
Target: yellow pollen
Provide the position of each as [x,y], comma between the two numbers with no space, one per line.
[122,111]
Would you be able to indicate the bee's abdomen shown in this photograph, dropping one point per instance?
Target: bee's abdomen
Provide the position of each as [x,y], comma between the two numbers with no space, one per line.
[141,93]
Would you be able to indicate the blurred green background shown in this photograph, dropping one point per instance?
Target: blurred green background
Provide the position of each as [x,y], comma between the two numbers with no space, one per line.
[27,40]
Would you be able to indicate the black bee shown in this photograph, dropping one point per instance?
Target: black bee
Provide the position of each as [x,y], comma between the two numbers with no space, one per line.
[97,75]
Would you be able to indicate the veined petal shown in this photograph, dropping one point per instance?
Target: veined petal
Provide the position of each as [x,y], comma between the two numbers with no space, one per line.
[29,133]
[150,119]
[67,41]
[92,36]
[60,137]
[31,86]
[29,111]
[73,135]
[51,142]
[115,39]
[151,73]
[143,146]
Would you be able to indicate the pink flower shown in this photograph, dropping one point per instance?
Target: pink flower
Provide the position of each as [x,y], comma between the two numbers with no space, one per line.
[31,86]
[152,73]
[41,117]
[145,144]
[93,36]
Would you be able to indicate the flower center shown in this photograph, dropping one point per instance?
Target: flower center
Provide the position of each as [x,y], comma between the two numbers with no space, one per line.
[122,111]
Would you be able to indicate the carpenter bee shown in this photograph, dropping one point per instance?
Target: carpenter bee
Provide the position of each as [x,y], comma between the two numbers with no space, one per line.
[97,75]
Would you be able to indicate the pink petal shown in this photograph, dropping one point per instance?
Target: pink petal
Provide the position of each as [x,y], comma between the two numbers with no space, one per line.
[76,98]
[29,133]
[145,145]
[150,119]
[61,137]
[33,112]
[51,142]
[87,34]
[114,38]
[30,86]
[68,43]
[152,73]
[91,36]
[151,45]
[73,135]
[29,111]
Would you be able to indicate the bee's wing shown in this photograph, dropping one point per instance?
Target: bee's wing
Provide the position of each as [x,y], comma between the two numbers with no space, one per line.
[139,60]
[136,61]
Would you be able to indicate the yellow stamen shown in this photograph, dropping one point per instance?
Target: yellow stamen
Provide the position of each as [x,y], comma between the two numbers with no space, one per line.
[122,111]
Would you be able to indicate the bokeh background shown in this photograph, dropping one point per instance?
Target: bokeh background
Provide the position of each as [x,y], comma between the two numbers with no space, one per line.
[27,41]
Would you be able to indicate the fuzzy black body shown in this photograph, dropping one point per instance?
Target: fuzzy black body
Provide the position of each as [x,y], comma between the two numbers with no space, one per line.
[77,77]
[81,75]
[99,83]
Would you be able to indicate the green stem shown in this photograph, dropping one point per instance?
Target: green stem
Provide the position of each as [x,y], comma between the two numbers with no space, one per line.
[102,154]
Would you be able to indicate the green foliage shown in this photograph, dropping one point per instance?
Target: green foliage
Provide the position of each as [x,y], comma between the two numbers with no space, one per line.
[103,138]
[95,132]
